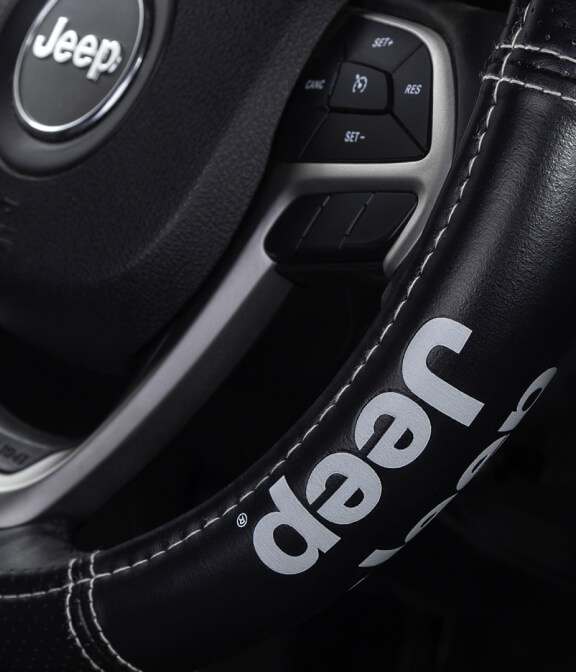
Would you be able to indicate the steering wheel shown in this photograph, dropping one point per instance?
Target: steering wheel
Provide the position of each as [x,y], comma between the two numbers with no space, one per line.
[471,330]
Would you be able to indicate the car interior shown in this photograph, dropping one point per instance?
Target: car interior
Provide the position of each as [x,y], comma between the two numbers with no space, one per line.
[286,320]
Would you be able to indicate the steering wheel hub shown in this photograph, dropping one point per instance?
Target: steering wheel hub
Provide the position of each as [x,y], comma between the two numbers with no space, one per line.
[102,252]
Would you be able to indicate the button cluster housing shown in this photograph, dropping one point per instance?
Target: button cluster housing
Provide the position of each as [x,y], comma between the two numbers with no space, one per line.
[365,97]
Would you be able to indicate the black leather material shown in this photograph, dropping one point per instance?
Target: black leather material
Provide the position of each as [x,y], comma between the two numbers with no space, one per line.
[96,261]
[497,259]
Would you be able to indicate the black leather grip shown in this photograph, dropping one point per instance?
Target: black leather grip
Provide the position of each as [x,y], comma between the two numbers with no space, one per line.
[471,332]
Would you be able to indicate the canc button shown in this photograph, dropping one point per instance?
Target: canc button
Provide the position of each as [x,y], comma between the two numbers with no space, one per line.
[316,84]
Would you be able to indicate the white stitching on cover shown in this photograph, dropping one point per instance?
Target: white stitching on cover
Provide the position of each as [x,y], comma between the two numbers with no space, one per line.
[358,369]
[40,593]
[71,628]
[103,637]
[535,87]
[541,50]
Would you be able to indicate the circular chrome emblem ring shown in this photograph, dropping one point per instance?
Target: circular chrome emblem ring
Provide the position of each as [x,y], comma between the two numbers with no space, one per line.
[77,61]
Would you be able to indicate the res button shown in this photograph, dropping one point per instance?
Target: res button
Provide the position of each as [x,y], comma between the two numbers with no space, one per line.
[413,95]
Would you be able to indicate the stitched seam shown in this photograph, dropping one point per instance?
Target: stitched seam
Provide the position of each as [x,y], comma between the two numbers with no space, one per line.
[541,50]
[96,622]
[71,628]
[535,87]
[358,369]
[40,593]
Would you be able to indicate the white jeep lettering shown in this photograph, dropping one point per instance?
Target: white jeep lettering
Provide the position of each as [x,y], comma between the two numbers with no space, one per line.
[292,513]
[427,519]
[524,406]
[107,59]
[359,477]
[65,46]
[89,53]
[401,442]
[480,462]
[409,422]
[86,51]
[44,47]
[440,332]
[529,398]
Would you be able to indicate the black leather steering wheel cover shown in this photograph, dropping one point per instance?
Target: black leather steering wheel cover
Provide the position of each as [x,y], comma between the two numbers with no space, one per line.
[497,258]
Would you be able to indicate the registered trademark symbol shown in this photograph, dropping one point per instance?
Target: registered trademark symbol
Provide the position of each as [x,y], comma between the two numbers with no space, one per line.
[242,520]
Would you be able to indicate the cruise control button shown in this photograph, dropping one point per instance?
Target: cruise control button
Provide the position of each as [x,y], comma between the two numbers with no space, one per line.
[375,228]
[336,219]
[413,95]
[354,138]
[316,84]
[379,45]
[360,89]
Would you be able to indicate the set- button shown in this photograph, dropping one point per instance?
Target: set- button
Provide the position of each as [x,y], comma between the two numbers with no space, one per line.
[348,138]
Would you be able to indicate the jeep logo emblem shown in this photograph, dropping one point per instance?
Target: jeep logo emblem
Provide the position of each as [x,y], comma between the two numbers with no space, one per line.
[64,45]
[78,59]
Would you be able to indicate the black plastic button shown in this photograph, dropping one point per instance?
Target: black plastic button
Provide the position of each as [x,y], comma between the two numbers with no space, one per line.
[296,130]
[413,95]
[354,138]
[378,45]
[360,89]
[294,222]
[337,218]
[316,84]
[375,228]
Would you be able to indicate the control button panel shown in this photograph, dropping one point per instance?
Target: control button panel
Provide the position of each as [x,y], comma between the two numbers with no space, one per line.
[372,104]
[354,227]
